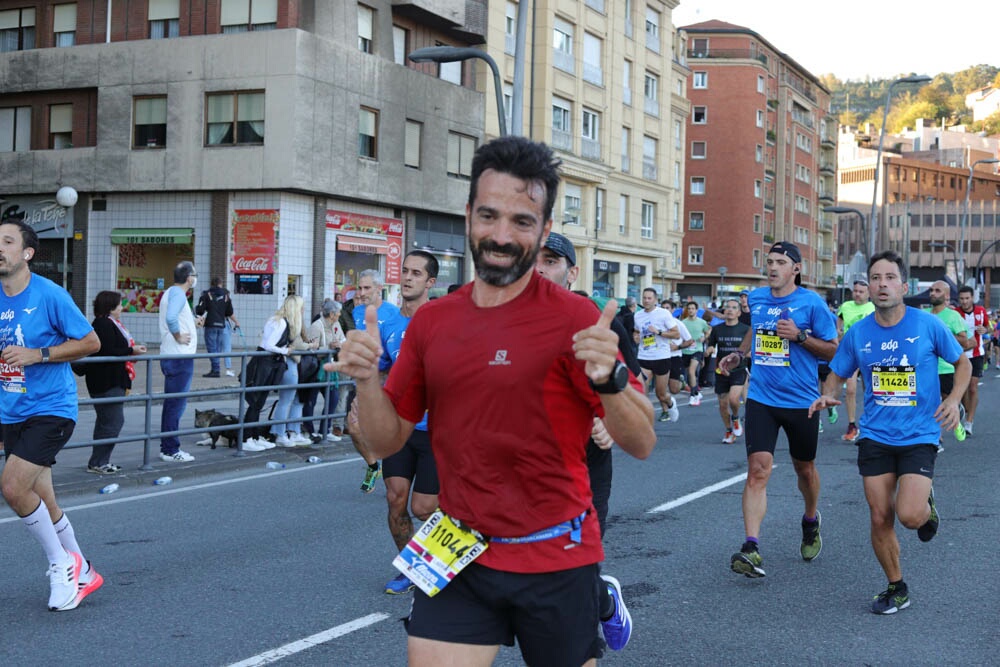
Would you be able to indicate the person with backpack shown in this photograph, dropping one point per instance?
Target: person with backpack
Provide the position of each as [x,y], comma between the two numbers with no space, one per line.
[220,322]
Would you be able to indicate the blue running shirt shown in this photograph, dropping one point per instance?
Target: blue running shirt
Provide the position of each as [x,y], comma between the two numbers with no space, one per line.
[784,373]
[43,315]
[386,314]
[899,367]
[393,334]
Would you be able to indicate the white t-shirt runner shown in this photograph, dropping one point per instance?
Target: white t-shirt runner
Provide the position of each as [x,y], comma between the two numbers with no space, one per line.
[651,345]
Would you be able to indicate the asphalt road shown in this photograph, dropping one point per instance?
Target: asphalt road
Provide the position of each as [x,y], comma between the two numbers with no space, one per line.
[249,566]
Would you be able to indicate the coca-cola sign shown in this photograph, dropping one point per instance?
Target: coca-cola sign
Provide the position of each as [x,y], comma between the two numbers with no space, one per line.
[251,265]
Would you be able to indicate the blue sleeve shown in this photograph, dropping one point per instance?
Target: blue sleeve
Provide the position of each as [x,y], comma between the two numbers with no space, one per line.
[844,363]
[174,307]
[68,319]
[824,323]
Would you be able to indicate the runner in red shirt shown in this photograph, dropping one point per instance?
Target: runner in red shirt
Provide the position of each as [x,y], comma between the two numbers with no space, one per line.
[512,370]
[976,319]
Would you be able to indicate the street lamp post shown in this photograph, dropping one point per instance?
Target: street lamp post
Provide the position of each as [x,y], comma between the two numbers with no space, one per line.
[979,261]
[67,198]
[965,218]
[450,54]
[839,210]
[916,78]
[723,270]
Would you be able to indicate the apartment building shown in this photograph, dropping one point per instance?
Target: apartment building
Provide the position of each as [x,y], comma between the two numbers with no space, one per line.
[760,157]
[605,87]
[285,145]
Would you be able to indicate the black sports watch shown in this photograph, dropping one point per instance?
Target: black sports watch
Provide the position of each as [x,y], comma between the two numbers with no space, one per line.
[615,383]
[801,338]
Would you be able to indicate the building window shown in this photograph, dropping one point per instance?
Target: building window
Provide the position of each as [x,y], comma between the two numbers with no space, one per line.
[652,30]
[759,153]
[696,255]
[368,133]
[649,150]
[677,175]
[756,224]
[627,83]
[651,94]
[760,83]
[699,80]
[760,118]
[562,124]
[164,19]
[460,150]
[510,28]
[508,104]
[150,129]
[678,133]
[562,45]
[758,191]
[626,150]
[628,18]
[592,70]
[802,205]
[756,258]
[64,25]
[17,29]
[572,204]
[366,23]
[803,173]
[399,39]
[696,220]
[648,219]
[699,115]
[15,129]
[60,126]
[591,135]
[698,150]
[699,47]
[235,118]
[450,72]
[248,15]
[622,215]
[805,143]
[697,185]
[599,196]
[677,216]
[411,151]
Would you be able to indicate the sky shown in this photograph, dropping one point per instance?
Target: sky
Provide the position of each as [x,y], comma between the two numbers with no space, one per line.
[854,39]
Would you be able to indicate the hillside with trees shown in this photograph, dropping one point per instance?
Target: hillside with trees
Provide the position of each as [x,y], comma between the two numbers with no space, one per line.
[859,102]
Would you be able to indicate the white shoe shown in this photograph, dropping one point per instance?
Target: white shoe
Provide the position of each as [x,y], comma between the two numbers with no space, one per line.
[180,457]
[251,445]
[673,412]
[695,400]
[265,443]
[204,442]
[330,437]
[64,583]
[297,439]
[737,427]
[230,374]
[283,441]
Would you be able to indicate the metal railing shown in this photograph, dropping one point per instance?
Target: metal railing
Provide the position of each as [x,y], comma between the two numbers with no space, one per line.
[147,398]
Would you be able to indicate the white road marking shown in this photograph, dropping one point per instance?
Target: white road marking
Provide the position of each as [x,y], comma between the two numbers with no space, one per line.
[701,493]
[306,643]
[196,487]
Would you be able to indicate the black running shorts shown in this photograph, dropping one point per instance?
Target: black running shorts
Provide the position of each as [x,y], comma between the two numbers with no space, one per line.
[38,439]
[764,421]
[414,461]
[875,458]
[947,381]
[656,366]
[723,383]
[553,615]
[977,366]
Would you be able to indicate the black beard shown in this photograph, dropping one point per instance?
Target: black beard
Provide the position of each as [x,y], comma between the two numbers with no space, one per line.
[501,277]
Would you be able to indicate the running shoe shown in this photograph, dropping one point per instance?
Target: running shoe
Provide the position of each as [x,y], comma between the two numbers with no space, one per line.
[852,433]
[940,446]
[673,411]
[833,415]
[747,563]
[927,531]
[106,469]
[695,400]
[664,416]
[729,439]
[821,426]
[399,585]
[812,542]
[959,434]
[371,474]
[180,456]
[891,600]
[737,427]
[618,628]
[968,429]
[90,581]
[64,582]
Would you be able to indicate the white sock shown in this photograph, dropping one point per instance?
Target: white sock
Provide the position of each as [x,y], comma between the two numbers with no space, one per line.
[67,537]
[40,526]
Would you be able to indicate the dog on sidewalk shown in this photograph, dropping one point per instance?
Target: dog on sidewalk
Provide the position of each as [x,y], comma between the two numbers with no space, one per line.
[213,418]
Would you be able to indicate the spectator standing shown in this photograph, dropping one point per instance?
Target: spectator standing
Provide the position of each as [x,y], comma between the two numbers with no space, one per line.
[178,336]
[217,308]
[38,407]
[112,379]
[326,330]
[288,319]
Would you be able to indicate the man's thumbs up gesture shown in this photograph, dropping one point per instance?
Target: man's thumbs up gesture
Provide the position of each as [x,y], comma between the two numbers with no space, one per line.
[597,346]
[359,355]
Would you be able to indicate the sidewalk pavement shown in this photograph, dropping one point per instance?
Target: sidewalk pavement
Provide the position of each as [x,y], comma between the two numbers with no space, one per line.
[70,476]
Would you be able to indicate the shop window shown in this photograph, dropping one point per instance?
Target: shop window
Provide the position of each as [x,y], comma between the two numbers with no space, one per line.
[234,118]
[146,261]
[150,129]
[249,15]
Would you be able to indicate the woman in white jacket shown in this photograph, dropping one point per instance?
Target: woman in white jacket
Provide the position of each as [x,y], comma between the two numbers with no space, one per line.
[288,319]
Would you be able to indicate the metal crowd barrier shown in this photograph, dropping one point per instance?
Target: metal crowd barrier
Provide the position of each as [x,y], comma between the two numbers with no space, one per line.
[148,398]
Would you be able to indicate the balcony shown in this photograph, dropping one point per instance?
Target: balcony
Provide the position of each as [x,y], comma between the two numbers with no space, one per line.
[593,74]
[563,60]
[825,254]
[827,166]
[823,196]
[596,5]
[825,225]
[562,140]
[590,149]
[653,42]
[509,44]
[626,164]
[649,171]
[771,136]
[651,107]
[627,96]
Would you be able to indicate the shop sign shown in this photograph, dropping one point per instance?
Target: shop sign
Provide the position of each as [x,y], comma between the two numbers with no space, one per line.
[45,216]
[637,269]
[365,224]
[603,265]
[254,245]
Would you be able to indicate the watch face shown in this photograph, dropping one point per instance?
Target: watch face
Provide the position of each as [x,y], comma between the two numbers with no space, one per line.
[620,376]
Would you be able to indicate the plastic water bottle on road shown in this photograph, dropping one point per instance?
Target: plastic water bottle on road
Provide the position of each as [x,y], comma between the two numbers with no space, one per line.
[110,488]
[163,480]
[274,465]
[314,459]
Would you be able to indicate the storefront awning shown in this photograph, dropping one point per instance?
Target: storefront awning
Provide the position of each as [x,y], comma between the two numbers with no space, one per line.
[172,235]
[362,244]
